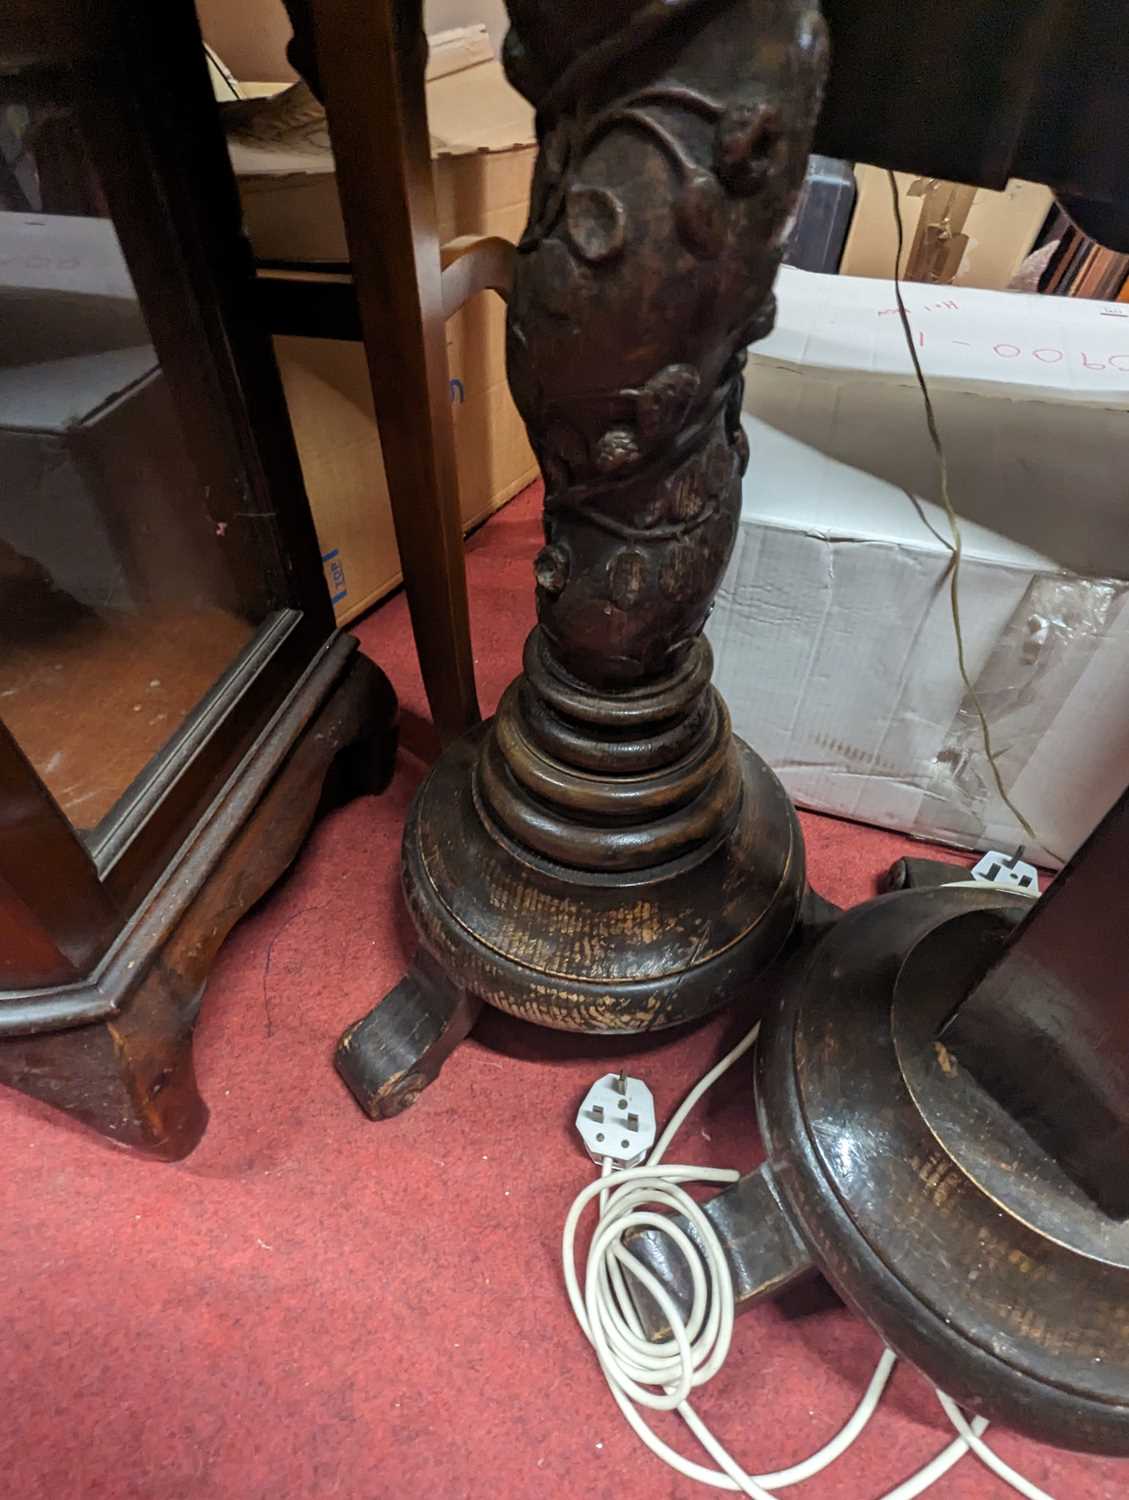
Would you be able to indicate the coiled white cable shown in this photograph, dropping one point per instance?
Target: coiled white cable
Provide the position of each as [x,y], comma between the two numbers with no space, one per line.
[661,1376]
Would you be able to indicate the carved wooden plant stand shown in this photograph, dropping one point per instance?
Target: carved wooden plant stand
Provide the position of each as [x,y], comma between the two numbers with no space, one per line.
[605,856]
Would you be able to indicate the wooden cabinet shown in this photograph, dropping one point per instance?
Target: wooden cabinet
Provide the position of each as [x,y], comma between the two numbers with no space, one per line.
[172,688]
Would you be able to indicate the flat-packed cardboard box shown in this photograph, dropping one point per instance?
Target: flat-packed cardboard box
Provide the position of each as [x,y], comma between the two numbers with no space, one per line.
[832,631]
[483,148]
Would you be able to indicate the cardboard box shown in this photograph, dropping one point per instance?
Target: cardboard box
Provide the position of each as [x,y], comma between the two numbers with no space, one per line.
[832,631]
[251,35]
[1000,229]
[483,145]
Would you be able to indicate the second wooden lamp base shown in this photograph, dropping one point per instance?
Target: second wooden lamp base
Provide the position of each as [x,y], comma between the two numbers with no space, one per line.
[943,1100]
[922,1196]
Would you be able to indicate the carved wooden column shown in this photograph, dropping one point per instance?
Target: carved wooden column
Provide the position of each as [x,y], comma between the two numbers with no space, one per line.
[605,855]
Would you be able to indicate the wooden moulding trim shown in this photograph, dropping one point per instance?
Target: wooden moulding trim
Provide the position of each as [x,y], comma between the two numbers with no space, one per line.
[104,993]
[122,824]
[652,704]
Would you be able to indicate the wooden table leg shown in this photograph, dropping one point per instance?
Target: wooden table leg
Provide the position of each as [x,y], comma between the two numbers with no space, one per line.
[371,56]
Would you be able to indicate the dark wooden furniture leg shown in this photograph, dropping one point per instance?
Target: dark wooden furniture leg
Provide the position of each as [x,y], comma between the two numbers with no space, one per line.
[128,1073]
[1054,1006]
[390,1056]
[605,856]
[371,56]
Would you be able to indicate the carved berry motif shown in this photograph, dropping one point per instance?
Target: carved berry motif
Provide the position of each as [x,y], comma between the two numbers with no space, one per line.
[596,223]
[551,570]
[618,449]
[665,401]
[664,179]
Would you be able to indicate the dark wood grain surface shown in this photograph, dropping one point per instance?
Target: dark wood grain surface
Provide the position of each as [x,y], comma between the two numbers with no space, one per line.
[129,1075]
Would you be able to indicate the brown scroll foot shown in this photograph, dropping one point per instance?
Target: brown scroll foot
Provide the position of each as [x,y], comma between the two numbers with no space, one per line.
[765,1253]
[911,874]
[391,1055]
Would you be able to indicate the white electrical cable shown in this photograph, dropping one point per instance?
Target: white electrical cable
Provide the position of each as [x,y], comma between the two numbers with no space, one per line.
[661,1376]
[986,1455]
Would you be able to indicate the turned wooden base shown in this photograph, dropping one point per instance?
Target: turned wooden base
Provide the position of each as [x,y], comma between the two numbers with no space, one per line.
[575,950]
[129,1075]
[932,1212]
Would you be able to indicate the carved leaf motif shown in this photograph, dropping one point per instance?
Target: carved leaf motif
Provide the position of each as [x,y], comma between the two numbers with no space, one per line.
[665,400]
[685,492]
[652,511]
[760,324]
[723,533]
[747,135]
[627,578]
[719,466]
[700,212]
[555,151]
[596,223]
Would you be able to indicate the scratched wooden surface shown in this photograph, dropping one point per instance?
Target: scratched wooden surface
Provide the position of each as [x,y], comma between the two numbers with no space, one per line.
[93,703]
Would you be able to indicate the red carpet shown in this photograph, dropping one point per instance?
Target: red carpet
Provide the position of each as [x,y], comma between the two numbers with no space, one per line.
[316,1306]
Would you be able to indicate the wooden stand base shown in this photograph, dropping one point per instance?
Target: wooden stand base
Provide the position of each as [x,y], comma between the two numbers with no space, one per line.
[570,949]
[927,1206]
[129,1075]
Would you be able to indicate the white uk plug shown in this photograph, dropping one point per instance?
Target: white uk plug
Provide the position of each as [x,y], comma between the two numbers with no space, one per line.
[1007,874]
[617,1120]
